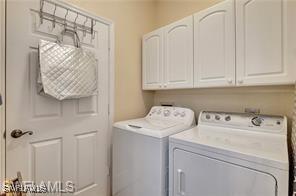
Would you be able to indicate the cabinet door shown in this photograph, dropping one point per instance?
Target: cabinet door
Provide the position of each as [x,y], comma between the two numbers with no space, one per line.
[264,42]
[198,175]
[179,54]
[152,70]
[214,45]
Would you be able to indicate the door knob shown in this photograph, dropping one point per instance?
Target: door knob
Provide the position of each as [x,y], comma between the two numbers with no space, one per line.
[1,100]
[19,133]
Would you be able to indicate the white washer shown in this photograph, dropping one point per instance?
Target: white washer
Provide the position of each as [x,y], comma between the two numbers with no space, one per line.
[230,154]
[140,151]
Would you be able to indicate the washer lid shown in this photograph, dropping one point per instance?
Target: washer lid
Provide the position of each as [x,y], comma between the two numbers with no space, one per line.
[265,149]
[152,127]
[152,124]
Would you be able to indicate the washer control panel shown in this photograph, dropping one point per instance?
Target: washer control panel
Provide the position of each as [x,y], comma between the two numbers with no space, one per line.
[178,114]
[256,122]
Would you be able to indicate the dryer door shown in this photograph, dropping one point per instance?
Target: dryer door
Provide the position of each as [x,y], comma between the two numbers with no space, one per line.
[198,175]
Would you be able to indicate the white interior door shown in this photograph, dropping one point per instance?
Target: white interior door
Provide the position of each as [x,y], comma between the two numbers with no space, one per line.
[214,41]
[178,55]
[153,60]
[70,138]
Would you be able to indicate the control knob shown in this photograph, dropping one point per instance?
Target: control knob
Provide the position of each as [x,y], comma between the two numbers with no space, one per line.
[257,121]
[159,111]
[176,113]
[217,117]
[166,113]
[183,114]
[227,118]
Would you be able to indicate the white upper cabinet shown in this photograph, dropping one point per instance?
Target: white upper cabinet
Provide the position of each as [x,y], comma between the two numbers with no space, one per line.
[233,43]
[214,46]
[265,42]
[178,54]
[152,69]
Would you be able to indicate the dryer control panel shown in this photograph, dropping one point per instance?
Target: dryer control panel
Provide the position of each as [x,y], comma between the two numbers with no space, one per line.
[255,122]
[178,114]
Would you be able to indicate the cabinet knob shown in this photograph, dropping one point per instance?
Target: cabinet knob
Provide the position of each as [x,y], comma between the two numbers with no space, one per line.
[240,81]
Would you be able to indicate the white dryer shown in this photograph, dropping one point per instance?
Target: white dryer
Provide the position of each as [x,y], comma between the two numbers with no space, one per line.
[230,154]
[140,151]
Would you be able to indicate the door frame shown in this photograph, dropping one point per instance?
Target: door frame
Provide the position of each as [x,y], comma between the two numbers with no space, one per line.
[111,78]
[2,88]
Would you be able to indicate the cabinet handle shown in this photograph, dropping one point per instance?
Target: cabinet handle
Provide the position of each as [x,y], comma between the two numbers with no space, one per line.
[159,86]
[240,81]
[180,191]
[230,81]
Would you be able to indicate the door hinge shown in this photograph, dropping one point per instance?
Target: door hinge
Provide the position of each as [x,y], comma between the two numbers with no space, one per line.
[108,109]
[109,171]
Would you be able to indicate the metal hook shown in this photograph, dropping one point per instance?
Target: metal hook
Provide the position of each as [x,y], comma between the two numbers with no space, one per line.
[92,27]
[65,20]
[84,31]
[41,11]
[93,32]
[75,25]
[54,18]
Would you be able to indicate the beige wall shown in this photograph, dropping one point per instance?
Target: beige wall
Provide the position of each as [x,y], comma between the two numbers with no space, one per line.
[276,100]
[168,11]
[132,20]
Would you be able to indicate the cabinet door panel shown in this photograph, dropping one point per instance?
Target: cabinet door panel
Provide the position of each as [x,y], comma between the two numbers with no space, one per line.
[214,43]
[153,60]
[179,54]
[263,47]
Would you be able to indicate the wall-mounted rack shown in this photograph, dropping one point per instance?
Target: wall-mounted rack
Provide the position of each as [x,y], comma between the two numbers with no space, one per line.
[52,17]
